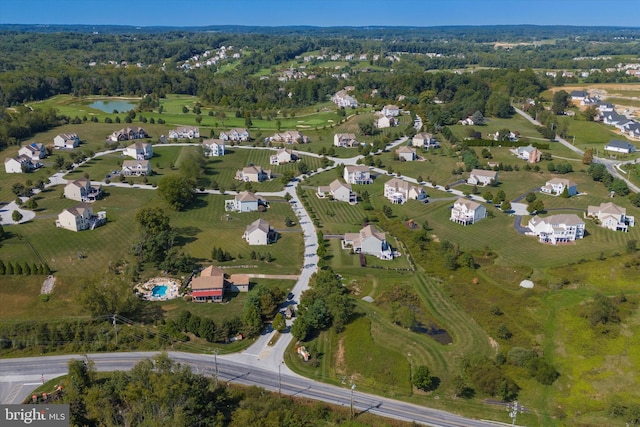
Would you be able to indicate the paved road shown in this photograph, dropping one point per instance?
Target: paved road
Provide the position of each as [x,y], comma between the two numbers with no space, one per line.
[230,369]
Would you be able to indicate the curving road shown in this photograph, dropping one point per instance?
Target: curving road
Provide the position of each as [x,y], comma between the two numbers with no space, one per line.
[232,370]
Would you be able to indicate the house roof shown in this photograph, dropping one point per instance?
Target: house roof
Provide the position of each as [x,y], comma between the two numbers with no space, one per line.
[482,172]
[579,94]
[423,135]
[563,181]
[67,136]
[81,182]
[617,143]
[356,168]
[348,136]
[608,208]
[405,149]
[252,169]
[135,163]
[391,107]
[246,196]
[372,231]
[213,142]
[337,184]
[259,224]
[469,204]
[79,210]
[207,293]
[187,128]
[210,278]
[239,279]
[566,219]
[139,145]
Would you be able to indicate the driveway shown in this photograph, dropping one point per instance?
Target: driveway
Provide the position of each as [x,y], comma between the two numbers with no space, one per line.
[6,211]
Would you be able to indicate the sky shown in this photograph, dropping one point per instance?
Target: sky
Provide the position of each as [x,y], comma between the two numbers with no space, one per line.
[324,13]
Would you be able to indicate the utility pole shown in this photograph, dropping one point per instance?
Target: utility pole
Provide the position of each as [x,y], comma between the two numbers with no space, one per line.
[215,361]
[115,328]
[280,378]
[353,387]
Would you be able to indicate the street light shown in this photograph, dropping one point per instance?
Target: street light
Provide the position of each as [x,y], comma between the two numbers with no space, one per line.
[280,378]
[215,361]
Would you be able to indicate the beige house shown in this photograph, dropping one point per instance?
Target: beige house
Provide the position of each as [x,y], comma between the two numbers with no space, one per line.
[424,140]
[467,212]
[290,137]
[253,174]
[369,241]
[80,217]
[338,190]
[556,186]
[66,140]
[236,135]
[209,286]
[260,232]
[399,191]
[136,167]
[345,140]
[34,151]
[482,177]
[81,190]
[139,150]
[407,154]
[283,156]
[611,216]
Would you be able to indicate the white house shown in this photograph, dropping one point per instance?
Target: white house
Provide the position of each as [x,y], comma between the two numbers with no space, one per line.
[136,167]
[556,186]
[579,95]
[243,202]
[21,164]
[529,153]
[482,177]
[259,232]
[186,132]
[424,140]
[345,140]
[128,133]
[213,147]
[139,151]
[554,229]
[382,121]
[338,190]
[357,174]
[407,154]
[236,135]
[35,150]
[66,140]
[343,99]
[283,156]
[468,121]
[467,211]
[611,216]
[81,190]
[619,146]
[399,191]
[369,241]
[391,110]
[80,217]
[253,174]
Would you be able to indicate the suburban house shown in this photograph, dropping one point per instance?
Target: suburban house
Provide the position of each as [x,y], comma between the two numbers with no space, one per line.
[556,186]
[407,154]
[283,156]
[128,133]
[290,137]
[468,121]
[66,140]
[243,202]
[35,151]
[391,110]
[338,190]
[82,191]
[529,153]
[260,232]
[382,121]
[619,146]
[136,167]
[369,241]
[139,151]
[554,229]
[213,147]
[424,140]
[399,191]
[467,212]
[212,284]
[236,135]
[357,174]
[186,132]
[611,216]
[343,99]
[80,217]
[21,164]
[513,136]
[345,140]
[253,174]
[632,129]
[209,286]
[482,177]
[579,95]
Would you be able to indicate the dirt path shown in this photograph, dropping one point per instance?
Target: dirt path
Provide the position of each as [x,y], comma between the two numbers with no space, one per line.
[47,285]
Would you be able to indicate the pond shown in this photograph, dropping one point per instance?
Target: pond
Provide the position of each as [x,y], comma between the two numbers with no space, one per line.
[438,334]
[109,106]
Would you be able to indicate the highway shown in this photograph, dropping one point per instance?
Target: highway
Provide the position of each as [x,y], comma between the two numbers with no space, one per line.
[230,370]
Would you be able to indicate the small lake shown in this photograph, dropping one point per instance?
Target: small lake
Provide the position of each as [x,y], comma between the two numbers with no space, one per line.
[109,106]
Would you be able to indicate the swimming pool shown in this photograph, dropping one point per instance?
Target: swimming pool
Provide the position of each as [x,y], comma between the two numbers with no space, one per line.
[159,291]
